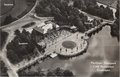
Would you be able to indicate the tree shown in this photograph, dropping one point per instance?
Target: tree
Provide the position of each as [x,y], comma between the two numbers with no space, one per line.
[117,12]
[59,72]
[8,20]
[50,74]
[68,73]
[79,24]
[12,56]
[3,38]
[17,32]
[80,4]
[108,13]
[3,71]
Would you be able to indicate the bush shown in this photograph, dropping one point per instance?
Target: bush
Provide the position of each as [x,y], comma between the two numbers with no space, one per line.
[3,38]
[90,6]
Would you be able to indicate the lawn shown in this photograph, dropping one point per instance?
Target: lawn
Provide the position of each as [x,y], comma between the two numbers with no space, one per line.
[4,8]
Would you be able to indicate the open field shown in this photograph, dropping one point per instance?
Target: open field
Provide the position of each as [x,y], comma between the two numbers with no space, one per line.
[6,6]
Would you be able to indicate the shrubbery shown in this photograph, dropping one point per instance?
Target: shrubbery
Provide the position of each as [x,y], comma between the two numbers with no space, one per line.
[8,20]
[17,52]
[90,6]
[115,26]
[3,38]
[58,72]
[3,69]
[62,13]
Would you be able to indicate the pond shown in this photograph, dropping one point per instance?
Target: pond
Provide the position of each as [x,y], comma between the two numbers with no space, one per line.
[102,48]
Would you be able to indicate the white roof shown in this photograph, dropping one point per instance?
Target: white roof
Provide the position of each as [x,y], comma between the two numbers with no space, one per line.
[23,43]
[57,26]
[41,24]
[41,43]
[53,55]
[73,27]
[90,19]
[46,27]
[29,30]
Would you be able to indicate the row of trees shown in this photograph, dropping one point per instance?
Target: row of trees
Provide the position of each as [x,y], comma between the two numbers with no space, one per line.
[115,26]
[117,12]
[16,52]
[3,38]
[65,14]
[90,6]
[3,69]
[58,72]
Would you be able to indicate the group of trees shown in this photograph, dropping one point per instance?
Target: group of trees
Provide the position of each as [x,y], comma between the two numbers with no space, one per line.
[90,6]
[91,24]
[115,26]
[16,52]
[115,29]
[3,69]
[8,20]
[117,12]
[70,15]
[62,13]
[3,38]
[31,1]
[58,72]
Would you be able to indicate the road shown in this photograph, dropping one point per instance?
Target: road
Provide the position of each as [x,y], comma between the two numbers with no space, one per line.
[22,18]
[10,30]
[3,56]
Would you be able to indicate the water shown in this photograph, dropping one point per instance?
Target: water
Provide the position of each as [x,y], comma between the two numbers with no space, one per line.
[102,47]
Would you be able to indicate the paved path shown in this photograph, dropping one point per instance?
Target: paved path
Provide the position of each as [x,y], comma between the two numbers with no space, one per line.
[57,47]
[20,19]
[97,27]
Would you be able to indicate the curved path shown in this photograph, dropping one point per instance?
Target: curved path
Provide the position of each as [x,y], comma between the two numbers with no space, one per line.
[11,69]
[97,27]
[80,45]
[21,17]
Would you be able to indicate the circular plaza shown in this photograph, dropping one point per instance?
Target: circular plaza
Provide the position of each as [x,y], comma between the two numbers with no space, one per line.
[72,45]
[67,44]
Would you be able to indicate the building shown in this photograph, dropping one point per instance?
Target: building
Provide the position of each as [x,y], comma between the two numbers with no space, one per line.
[45,28]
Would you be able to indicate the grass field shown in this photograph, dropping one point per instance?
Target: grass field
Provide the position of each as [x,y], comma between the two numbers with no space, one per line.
[4,8]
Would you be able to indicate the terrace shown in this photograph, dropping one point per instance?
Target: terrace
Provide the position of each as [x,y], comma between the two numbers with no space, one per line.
[67,44]
[60,42]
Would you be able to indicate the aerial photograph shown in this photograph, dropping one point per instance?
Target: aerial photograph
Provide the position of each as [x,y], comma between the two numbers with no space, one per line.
[59,38]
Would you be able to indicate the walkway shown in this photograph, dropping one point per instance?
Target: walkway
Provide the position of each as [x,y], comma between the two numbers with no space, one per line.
[99,26]
[58,48]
